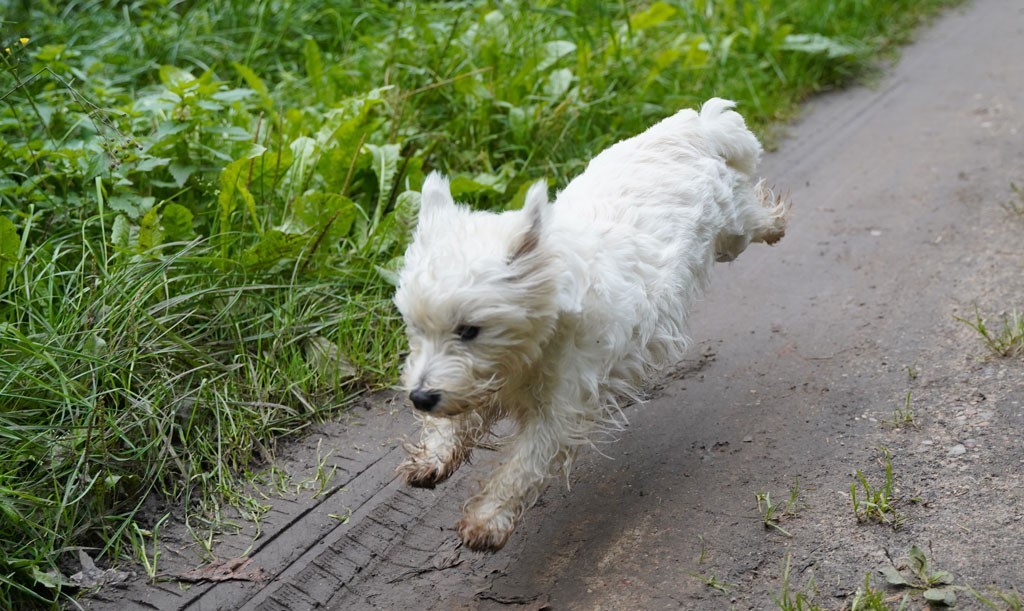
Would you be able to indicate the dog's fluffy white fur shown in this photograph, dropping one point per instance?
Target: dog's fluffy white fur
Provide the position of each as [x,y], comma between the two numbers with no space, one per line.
[552,314]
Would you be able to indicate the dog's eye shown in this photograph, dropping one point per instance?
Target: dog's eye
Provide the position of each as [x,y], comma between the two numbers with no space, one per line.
[467,332]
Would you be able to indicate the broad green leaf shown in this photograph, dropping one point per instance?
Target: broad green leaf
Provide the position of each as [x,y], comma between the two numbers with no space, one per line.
[725,46]
[942,596]
[255,83]
[49,53]
[407,208]
[395,228]
[343,121]
[274,249]
[651,16]
[483,182]
[175,78]
[918,562]
[211,106]
[893,576]
[180,172]
[314,210]
[45,579]
[304,155]
[227,132]
[120,232]
[10,244]
[558,83]
[385,165]
[146,165]
[940,578]
[177,222]
[165,101]
[816,43]
[150,234]
[232,188]
[663,59]
[314,65]
[166,130]
[520,196]
[233,95]
[554,51]
[134,207]
[519,121]
[95,345]
[389,271]
[256,150]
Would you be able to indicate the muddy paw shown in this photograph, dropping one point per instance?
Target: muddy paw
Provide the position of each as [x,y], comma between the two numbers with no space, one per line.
[487,535]
[421,472]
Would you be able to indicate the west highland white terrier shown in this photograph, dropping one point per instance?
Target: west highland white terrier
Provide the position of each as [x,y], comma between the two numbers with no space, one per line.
[553,314]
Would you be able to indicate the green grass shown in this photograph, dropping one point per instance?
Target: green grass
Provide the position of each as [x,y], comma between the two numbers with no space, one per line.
[869,599]
[204,204]
[773,513]
[999,600]
[877,503]
[934,586]
[902,415]
[1006,339]
[791,599]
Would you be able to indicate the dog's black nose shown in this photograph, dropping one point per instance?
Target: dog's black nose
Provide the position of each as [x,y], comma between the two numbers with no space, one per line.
[424,400]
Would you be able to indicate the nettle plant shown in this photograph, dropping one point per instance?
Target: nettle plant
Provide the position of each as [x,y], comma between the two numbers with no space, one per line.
[265,199]
[196,158]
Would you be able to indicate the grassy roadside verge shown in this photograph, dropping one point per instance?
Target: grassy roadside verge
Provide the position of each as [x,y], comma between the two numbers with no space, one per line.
[203,202]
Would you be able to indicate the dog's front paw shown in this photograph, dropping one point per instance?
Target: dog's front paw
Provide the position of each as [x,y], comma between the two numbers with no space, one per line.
[486,533]
[424,470]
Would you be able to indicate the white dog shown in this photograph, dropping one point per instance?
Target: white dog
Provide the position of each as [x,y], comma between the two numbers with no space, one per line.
[552,314]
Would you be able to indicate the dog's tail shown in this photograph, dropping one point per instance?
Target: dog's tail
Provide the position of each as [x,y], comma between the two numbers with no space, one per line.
[728,136]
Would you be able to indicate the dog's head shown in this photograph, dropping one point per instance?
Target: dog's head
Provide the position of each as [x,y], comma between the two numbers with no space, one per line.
[477,293]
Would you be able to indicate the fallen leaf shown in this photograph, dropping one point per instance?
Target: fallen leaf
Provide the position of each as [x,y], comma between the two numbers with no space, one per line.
[942,596]
[92,576]
[893,576]
[224,570]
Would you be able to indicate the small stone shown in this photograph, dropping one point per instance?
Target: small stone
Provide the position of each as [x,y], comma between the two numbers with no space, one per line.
[957,450]
[748,439]
[970,444]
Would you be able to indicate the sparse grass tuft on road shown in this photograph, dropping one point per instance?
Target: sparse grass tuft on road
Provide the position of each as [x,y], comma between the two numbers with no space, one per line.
[999,600]
[873,502]
[902,415]
[792,599]
[1004,339]
[1015,205]
[772,513]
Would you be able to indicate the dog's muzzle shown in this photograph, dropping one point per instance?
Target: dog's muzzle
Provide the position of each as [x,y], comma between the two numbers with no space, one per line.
[425,400]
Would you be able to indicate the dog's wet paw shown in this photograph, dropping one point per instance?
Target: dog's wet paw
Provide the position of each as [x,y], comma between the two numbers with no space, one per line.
[485,535]
[421,471]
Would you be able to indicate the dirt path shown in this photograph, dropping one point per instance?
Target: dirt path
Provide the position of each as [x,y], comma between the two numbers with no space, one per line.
[802,353]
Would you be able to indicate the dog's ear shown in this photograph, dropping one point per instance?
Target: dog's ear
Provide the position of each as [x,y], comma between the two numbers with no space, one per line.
[535,210]
[435,196]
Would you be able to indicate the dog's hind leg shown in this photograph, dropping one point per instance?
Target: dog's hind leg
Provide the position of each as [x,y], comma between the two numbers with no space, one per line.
[771,213]
[760,216]
[445,443]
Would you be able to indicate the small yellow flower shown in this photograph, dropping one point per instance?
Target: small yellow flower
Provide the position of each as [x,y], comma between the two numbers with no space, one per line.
[7,50]
[23,40]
